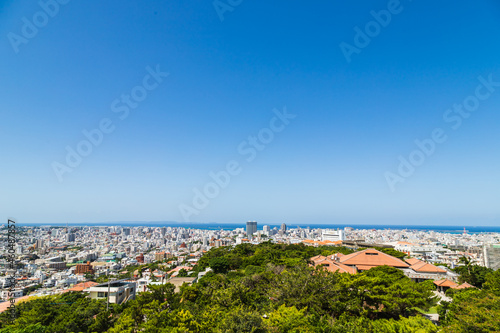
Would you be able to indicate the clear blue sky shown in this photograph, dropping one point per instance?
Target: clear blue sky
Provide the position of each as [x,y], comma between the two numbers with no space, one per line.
[353,119]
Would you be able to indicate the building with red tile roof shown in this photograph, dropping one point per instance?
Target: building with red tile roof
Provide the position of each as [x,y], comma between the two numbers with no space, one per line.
[311,242]
[369,258]
[412,261]
[176,270]
[463,286]
[421,270]
[81,286]
[423,267]
[445,284]
[329,264]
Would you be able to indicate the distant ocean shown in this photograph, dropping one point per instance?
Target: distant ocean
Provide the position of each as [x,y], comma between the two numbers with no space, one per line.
[232,226]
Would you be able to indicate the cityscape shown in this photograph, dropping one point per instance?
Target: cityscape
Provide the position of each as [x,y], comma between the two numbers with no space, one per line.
[57,259]
[229,166]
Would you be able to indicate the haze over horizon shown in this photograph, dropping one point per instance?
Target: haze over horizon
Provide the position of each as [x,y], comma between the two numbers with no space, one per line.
[255,113]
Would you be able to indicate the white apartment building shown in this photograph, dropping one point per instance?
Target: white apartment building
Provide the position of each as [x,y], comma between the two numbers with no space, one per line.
[119,291]
[333,235]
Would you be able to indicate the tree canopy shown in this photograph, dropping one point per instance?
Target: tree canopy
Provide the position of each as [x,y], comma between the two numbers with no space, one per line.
[268,288]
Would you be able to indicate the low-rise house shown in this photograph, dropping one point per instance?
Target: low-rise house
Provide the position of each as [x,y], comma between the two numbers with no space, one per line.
[120,291]
[67,281]
[202,274]
[14,294]
[142,285]
[82,286]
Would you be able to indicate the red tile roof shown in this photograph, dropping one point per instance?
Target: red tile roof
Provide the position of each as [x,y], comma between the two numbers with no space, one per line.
[405,243]
[81,286]
[338,267]
[331,265]
[423,267]
[363,267]
[413,261]
[445,283]
[326,242]
[178,268]
[318,258]
[463,286]
[372,258]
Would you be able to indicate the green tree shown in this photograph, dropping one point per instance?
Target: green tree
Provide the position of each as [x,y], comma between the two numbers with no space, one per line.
[416,324]
[472,274]
[289,320]
[492,282]
[183,273]
[33,328]
[89,276]
[391,294]
[472,310]
[219,265]
[242,320]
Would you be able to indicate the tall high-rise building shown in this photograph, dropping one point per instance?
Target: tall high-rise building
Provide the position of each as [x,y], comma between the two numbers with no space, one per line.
[283,227]
[39,243]
[251,228]
[70,237]
[267,230]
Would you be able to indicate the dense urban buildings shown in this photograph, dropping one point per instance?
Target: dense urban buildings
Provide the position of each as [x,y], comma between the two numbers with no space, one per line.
[51,260]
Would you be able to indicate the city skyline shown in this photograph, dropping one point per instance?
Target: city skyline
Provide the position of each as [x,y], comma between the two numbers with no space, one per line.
[327,113]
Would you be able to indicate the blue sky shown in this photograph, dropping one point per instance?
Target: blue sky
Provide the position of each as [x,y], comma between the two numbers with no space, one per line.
[328,165]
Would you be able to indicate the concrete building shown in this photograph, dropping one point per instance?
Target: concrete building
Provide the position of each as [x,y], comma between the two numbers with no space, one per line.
[14,294]
[84,268]
[333,235]
[119,291]
[251,228]
[56,265]
[70,237]
[267,230]
[492,256]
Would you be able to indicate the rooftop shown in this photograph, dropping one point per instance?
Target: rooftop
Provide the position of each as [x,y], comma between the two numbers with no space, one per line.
[371,258]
